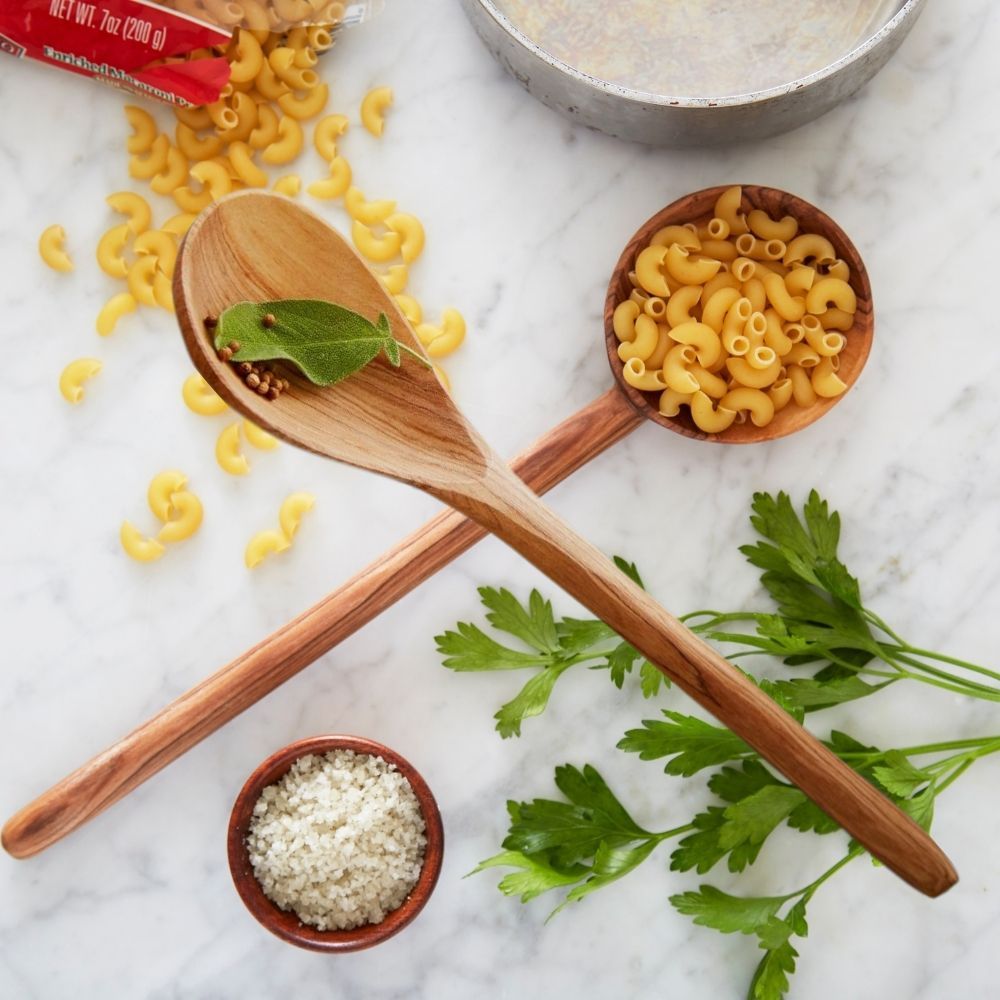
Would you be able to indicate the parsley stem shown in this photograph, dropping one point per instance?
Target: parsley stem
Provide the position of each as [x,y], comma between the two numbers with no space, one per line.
[675,832]
[966,686]
[904,648]
[809,891]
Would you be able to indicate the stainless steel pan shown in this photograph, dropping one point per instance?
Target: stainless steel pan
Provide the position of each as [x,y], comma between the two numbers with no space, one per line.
[684,121]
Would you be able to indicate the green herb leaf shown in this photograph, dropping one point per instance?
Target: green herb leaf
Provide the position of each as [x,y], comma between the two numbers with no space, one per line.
[921,807]
[898,776]
[326,341]
[770,980]
[533,624]
[752,819]
[610,864]
[690,743]
[535,877]
[711,907]
[471,649]
[579,634]
[531,700]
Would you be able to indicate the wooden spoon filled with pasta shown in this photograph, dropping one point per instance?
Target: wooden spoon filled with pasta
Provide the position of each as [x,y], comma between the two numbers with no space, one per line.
[261,263]
[400,422]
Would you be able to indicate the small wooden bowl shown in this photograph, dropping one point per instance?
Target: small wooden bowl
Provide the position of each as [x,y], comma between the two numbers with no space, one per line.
[698,208]
[285,924]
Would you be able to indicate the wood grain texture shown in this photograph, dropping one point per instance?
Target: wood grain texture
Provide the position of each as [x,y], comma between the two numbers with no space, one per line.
[286,925]
[199,712]
[404,424]
[698,208]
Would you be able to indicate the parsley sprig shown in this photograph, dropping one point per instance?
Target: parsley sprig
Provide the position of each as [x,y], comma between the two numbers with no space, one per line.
[552,646]
[588,839]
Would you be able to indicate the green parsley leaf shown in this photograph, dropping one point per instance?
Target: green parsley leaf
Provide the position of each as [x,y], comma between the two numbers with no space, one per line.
[326,341]
[754,818]
[770,980]
[711,907]
[921,807]
[898,776]
[610,864]
[690,743]
[579,634]
[471,649]
[533,624]
[573,830]
[530,701]
[536,876]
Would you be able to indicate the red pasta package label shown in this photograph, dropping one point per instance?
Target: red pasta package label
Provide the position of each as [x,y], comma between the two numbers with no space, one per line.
[136,45]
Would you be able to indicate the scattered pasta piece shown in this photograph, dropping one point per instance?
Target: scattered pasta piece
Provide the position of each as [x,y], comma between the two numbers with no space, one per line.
[411,232]
[410,308]
[144,126]
[441,340]
[186,516]
[74,375]
[326,133]
[228,453]
[373,108]
[292,510]
[113,310]
[376,248]
[290,185]
[134,206]
[162,486]
[395,279]
[337,183]
[137,546]
[258,437]
[111,250]
[141,276]
[50,247]
[201,398]
[368,212]
[263,544]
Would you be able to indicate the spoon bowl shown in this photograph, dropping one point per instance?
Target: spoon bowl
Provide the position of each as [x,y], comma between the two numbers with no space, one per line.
[698,208]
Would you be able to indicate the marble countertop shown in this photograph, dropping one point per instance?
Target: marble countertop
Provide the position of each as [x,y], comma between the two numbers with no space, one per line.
[525,216]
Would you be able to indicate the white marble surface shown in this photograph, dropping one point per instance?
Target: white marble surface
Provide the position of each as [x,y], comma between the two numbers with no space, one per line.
[525,217]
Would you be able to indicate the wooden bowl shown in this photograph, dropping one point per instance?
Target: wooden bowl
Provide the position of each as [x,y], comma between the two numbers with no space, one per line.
[698,208]
[285,924]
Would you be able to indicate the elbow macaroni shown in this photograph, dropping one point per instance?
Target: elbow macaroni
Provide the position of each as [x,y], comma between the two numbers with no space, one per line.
[373,108]
[51,249]
[74,375]
[735,317]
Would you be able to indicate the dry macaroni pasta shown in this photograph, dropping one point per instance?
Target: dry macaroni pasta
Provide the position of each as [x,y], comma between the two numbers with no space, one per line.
[734,318]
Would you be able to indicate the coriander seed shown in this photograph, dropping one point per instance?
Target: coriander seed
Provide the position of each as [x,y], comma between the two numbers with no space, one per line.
[211,322]
[268,320]
[225,354]
[253,380]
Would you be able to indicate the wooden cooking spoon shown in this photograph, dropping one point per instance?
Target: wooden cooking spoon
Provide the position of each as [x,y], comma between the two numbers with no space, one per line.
[121,768]
[401,423]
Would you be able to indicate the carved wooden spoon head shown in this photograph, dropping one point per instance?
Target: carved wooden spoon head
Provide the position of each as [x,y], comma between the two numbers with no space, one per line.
[254,246]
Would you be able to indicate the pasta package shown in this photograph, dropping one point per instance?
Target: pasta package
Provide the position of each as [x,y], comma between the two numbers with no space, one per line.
[173,51]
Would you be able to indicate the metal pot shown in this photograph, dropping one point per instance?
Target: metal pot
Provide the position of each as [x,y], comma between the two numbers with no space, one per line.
[684,121]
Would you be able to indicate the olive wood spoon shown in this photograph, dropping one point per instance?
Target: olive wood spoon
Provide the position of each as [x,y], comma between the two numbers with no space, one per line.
[403,424]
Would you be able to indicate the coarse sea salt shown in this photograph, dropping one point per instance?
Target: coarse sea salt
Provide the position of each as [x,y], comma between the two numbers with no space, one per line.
[339,840]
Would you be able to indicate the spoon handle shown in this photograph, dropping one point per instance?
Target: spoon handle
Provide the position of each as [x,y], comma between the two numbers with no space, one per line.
[514,514]
[219,698]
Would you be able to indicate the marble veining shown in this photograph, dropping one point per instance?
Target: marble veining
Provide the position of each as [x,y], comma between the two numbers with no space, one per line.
[525,218]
